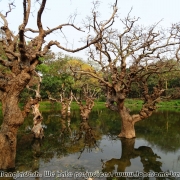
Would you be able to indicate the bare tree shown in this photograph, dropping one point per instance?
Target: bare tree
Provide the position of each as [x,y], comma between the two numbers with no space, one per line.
[87,134]
[65,118]
[129,57]
[64,101]
[85,131]
[86,107]
[20,61]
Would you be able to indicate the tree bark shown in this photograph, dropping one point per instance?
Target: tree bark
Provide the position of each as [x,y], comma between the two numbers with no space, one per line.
[12,119]
[37,120]
[127,129]
[127,122]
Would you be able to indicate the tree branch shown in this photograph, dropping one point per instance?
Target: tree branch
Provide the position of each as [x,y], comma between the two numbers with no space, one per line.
[56,43]
[60,27]
[39,23]
[5,63]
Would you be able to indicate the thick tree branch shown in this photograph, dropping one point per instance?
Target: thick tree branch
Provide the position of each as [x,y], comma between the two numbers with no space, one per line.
[31,30]
[56,43]
[85,108]
[22,42]
[4,19]
[5,28]
[26,11]
[5,63]
[27,108]
[39,23]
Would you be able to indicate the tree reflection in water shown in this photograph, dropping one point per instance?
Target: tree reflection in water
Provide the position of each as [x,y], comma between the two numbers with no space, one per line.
[65,130]
[61,145]
[79,144]
[148,158]
[87,134]
[36,150]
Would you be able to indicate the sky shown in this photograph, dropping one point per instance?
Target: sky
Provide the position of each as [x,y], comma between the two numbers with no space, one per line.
[58,12]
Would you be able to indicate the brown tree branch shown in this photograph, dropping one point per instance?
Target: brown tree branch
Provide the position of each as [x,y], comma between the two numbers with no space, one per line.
[27,108]
[39,23]
[61,26]
[31,30]
[5,63]
[22,42]
[86,108]
[6,29]
[56,43]
[4,19]
[26,11]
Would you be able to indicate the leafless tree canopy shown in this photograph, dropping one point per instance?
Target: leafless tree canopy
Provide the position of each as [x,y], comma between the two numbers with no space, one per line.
[89,98]
[133,55]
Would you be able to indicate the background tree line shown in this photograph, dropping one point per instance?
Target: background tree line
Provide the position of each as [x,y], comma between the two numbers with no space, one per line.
[57,77]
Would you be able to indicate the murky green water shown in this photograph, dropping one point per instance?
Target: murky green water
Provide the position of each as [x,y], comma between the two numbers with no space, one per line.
[70,151]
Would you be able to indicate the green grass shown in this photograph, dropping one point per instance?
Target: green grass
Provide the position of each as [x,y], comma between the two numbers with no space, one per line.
[46,105]
[170,103]
[128,102]
[167,103]
[132,103]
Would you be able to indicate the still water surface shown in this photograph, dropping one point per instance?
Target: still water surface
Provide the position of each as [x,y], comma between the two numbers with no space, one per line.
[71,146]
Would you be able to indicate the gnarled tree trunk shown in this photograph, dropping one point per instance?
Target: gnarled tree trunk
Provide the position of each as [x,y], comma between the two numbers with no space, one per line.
[127,124]
[37,120]
[86,108]
[128,121]
[12,119]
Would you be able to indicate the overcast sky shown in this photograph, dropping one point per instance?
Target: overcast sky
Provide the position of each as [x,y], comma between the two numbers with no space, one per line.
[59,11]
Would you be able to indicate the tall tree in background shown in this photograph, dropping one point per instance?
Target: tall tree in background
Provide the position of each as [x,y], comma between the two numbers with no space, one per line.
[56,75]
[133,56]
[20,61]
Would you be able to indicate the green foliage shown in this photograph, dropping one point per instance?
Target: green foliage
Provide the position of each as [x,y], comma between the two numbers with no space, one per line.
[51,84]
[25,94]
[57,75]
[43,68]
[169,78]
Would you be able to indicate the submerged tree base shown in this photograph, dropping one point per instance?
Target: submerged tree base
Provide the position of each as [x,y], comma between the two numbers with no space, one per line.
[8,152]
[127,125]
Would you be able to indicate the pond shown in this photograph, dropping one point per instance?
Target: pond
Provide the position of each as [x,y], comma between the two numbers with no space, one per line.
[73,149]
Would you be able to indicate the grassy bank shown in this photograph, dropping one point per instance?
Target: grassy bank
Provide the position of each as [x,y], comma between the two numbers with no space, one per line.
[46,105]
[162,104]
[132,103]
